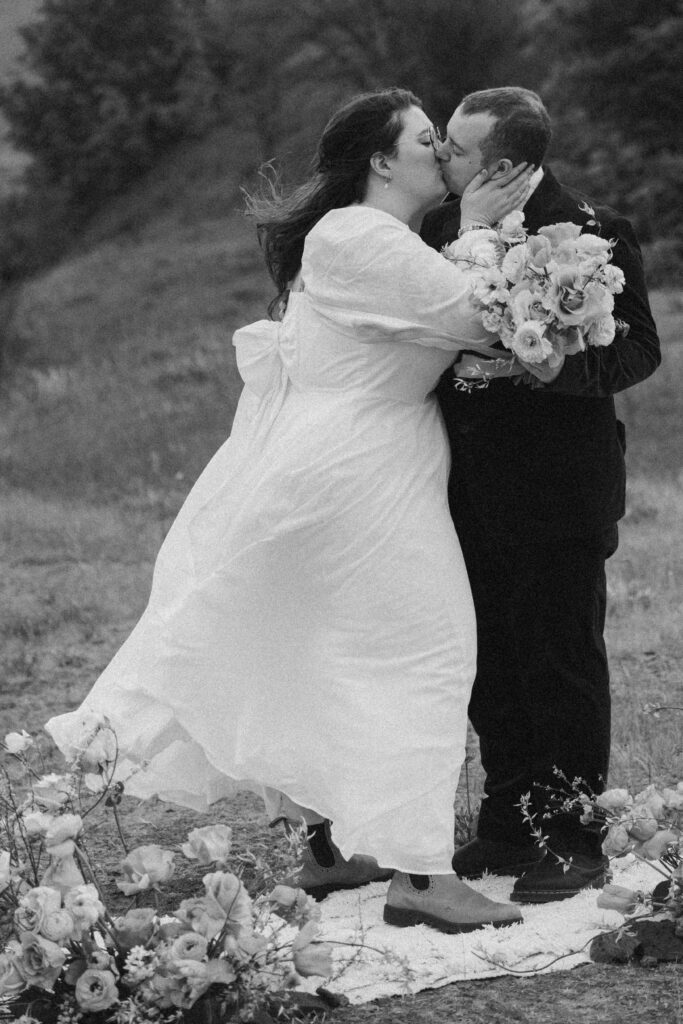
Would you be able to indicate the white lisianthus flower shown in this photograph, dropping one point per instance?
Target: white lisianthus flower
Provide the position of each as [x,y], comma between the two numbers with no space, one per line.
[654,848]
[11,981]
[601,331]
[593,245]
[35,906]
[37,823]
[557,234]
[614,278]
[514,263]
[85,905]
[146,867]
[101,751]
[63,827]
[614,799]
[41,960]
[616,842]
[5,870]
[209,845]
[530,343]
[18,742]
[230,894]
[51,791]
[653,799]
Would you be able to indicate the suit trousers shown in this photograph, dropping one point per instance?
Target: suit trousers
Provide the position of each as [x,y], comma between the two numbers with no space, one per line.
[541,696]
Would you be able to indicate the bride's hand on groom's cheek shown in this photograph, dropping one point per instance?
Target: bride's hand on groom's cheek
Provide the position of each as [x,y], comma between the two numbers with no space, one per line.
[489,199]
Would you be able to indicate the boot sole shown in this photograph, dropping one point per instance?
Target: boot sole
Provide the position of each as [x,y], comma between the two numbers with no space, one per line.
[319,892]
[408,918]
[555,895]
[508,870]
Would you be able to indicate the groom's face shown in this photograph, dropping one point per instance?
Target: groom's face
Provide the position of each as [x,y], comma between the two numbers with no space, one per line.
[460,155]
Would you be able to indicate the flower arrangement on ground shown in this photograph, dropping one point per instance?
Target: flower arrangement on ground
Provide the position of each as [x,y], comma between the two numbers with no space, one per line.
[545,296]
[647,826]
[69,958]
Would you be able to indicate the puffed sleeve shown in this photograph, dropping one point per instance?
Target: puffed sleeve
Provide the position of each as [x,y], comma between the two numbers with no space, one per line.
[372,275]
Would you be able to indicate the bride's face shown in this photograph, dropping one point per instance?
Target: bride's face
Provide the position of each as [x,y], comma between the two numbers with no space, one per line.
[415,170]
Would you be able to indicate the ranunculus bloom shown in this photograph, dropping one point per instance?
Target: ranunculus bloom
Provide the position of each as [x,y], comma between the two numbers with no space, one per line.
[41,960]
[11,981]
[84,903]
[189,946]
[530,343]
[231,896]
[614,799]
[616,842]
[209,845]
[617,897]
[146,867]
[18,742]
[58,926]
[602,331]
[34,907]
[135,928]
[63,827]
[96,990]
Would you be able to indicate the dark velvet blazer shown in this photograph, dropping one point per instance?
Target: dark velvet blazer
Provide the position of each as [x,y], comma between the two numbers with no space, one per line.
[551,458]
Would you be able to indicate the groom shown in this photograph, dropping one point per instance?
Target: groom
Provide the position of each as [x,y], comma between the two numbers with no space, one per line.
[536,490]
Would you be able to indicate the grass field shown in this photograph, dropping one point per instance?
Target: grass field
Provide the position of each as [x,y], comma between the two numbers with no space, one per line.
[127,385]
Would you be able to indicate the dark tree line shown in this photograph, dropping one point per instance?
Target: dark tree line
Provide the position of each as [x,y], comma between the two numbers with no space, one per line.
[110,85]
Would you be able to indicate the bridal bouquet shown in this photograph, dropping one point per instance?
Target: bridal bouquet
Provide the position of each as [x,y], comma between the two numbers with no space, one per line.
[219,955]
[546,296]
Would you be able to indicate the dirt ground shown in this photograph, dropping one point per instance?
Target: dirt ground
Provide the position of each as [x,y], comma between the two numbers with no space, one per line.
[593,994]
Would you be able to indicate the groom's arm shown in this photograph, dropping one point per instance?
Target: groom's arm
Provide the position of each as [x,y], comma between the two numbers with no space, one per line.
[601,371]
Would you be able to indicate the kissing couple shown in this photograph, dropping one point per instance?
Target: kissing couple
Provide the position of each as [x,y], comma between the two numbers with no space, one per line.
[394,538]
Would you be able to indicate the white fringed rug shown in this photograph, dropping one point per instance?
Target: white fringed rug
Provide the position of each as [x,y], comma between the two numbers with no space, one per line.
[552,937]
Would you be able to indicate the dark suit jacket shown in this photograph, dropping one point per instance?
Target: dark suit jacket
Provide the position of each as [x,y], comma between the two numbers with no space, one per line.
[551,458]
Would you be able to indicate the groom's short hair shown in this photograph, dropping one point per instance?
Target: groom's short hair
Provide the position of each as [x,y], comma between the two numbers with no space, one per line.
[522,130]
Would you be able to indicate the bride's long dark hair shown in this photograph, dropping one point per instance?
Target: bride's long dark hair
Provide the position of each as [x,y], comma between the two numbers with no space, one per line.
[367,124]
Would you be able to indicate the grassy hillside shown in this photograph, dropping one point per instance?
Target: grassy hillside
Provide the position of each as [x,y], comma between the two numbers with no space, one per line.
[13,14]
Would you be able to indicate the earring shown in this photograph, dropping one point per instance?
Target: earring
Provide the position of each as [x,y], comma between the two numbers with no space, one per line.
[387,182]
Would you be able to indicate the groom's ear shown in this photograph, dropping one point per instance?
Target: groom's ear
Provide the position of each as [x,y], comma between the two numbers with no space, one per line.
[500,167]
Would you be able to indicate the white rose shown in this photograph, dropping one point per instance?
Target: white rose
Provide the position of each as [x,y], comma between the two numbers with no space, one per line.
[209,844]
[18,742]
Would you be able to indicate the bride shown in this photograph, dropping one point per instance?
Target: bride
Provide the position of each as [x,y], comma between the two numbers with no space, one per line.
[310,631]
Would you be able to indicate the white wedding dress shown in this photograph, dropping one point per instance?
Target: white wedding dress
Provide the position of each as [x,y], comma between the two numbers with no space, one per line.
[310,626]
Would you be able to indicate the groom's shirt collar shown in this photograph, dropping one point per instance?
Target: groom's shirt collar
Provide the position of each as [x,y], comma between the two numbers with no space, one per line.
[534,181]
